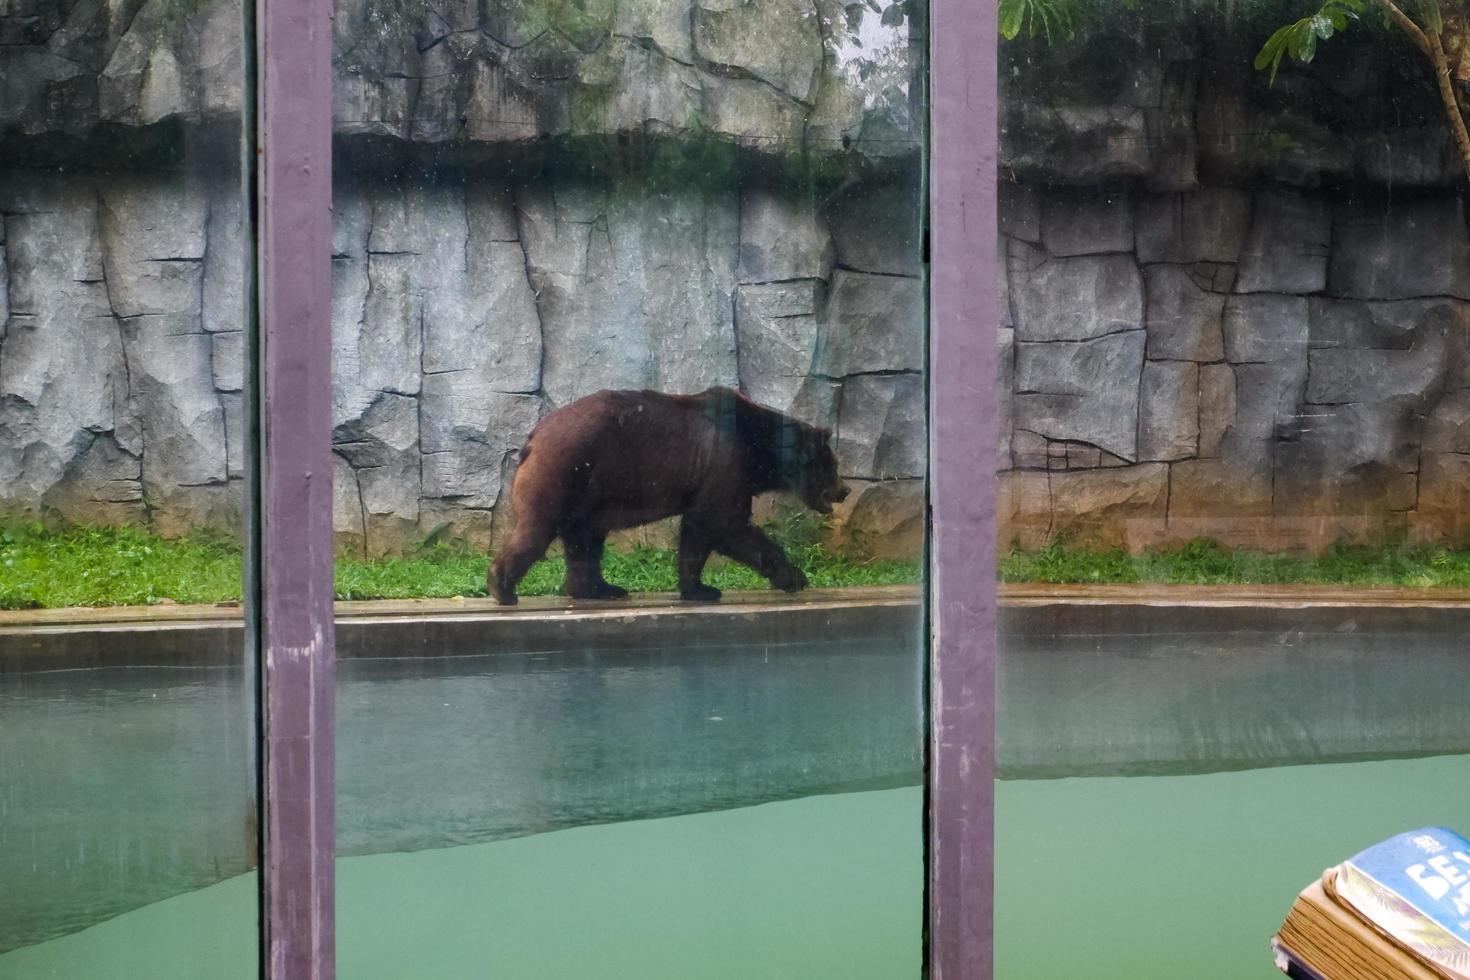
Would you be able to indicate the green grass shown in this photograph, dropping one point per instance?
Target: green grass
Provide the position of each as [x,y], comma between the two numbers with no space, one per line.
[43,567]
[1204,562]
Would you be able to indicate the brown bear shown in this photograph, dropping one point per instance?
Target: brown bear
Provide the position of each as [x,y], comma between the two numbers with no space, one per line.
[618,459]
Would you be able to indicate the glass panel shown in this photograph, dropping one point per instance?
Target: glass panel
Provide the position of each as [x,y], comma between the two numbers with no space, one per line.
[127,760]
[1232,511]
[682,243]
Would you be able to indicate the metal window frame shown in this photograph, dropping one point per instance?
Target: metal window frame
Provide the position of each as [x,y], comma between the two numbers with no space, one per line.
[288,140]
[964,311]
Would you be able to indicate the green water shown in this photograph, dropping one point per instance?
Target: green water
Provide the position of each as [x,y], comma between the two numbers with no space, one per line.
[817,887]
[1098,878]
[1189,876]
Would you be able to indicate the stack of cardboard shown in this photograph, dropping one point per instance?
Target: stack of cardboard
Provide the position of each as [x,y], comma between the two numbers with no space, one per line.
[1399,909]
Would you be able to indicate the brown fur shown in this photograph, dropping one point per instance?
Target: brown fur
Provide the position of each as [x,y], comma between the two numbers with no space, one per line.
[619,459]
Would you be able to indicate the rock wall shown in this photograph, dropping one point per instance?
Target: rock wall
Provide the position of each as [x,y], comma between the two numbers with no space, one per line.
[534,200]
[1275,368]
[465,308]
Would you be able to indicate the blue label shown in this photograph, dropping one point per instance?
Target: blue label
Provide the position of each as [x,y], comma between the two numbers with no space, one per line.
[1429,868]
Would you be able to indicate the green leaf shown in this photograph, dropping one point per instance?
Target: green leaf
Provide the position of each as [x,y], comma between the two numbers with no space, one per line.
[1429,10]
[893,16]
[1012,13]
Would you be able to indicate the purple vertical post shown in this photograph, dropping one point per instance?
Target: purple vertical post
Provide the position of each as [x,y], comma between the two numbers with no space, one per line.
[964,314]
[293,137]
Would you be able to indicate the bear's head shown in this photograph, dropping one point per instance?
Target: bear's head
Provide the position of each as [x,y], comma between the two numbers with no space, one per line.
[814,469]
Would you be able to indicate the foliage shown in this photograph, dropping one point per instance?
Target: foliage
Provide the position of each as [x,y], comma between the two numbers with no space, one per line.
[1300,39]
[1205,562]
[1051,19]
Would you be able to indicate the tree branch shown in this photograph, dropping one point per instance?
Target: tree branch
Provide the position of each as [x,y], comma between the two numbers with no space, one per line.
[1416,34]
[1451,103]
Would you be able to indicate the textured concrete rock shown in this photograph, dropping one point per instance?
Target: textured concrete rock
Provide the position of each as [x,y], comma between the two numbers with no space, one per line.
[877,229]
[227,361]
[152,236]
[1079,223]
[1208,225]
[872,323]
[101,485]
[184,468]
[1442,511]
[1217,491]
[1268,399]
[1400,249]
[776,327]
[1005,388]
[223,301]
[1168,411]
[1216,406]
[62,374]
[1182,320]
[1265,329]
[1287,248]
[1020,212]
[884,519]
[382,447]
[1350,459]
[633,290]
[468,437]
[781,238]
[777,42]
[1082,392]
[1124,506]
[880,427]
[1073,299]
[1447,429]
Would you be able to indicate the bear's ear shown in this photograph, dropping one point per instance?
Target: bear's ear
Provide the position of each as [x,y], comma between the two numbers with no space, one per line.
[824,432]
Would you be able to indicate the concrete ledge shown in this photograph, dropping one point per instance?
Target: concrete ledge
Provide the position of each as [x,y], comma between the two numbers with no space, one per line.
[52,639]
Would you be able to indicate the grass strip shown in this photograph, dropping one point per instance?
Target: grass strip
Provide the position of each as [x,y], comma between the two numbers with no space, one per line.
[45,567]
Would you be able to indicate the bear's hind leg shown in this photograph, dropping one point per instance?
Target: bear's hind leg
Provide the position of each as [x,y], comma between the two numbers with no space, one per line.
[750,546]
[527,544]
[584,566]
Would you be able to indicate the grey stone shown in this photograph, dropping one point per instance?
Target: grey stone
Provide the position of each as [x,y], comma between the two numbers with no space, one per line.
[1005,394]
[885,519]
[781,237]
[1287,248]
[1082,392]
[1208,225]
[638,295]
[1268,399]
[1343,375]
[665,25]
[1265,328]
[100,485]
[348,521]
[382,447]
[146,79]
[233,404]
[1447,430]
[778,42]
[1183,320]
[1349,459]
[872,323]
[1168,406]
[223,302]
[776,331]
[1073,299]
[153,238]
[877,230]
[752,113]
[227,361]
[1400,325]
[880,427]
[1029,450]
[391,332]
[1400,249]
[182,421]
[1216,406]
[1074,142]
[1079,223]
[467,437]
[1020,212]
[62,373]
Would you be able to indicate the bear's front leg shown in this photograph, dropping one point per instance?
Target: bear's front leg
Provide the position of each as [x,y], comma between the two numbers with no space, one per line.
[750,546]
[694,549]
